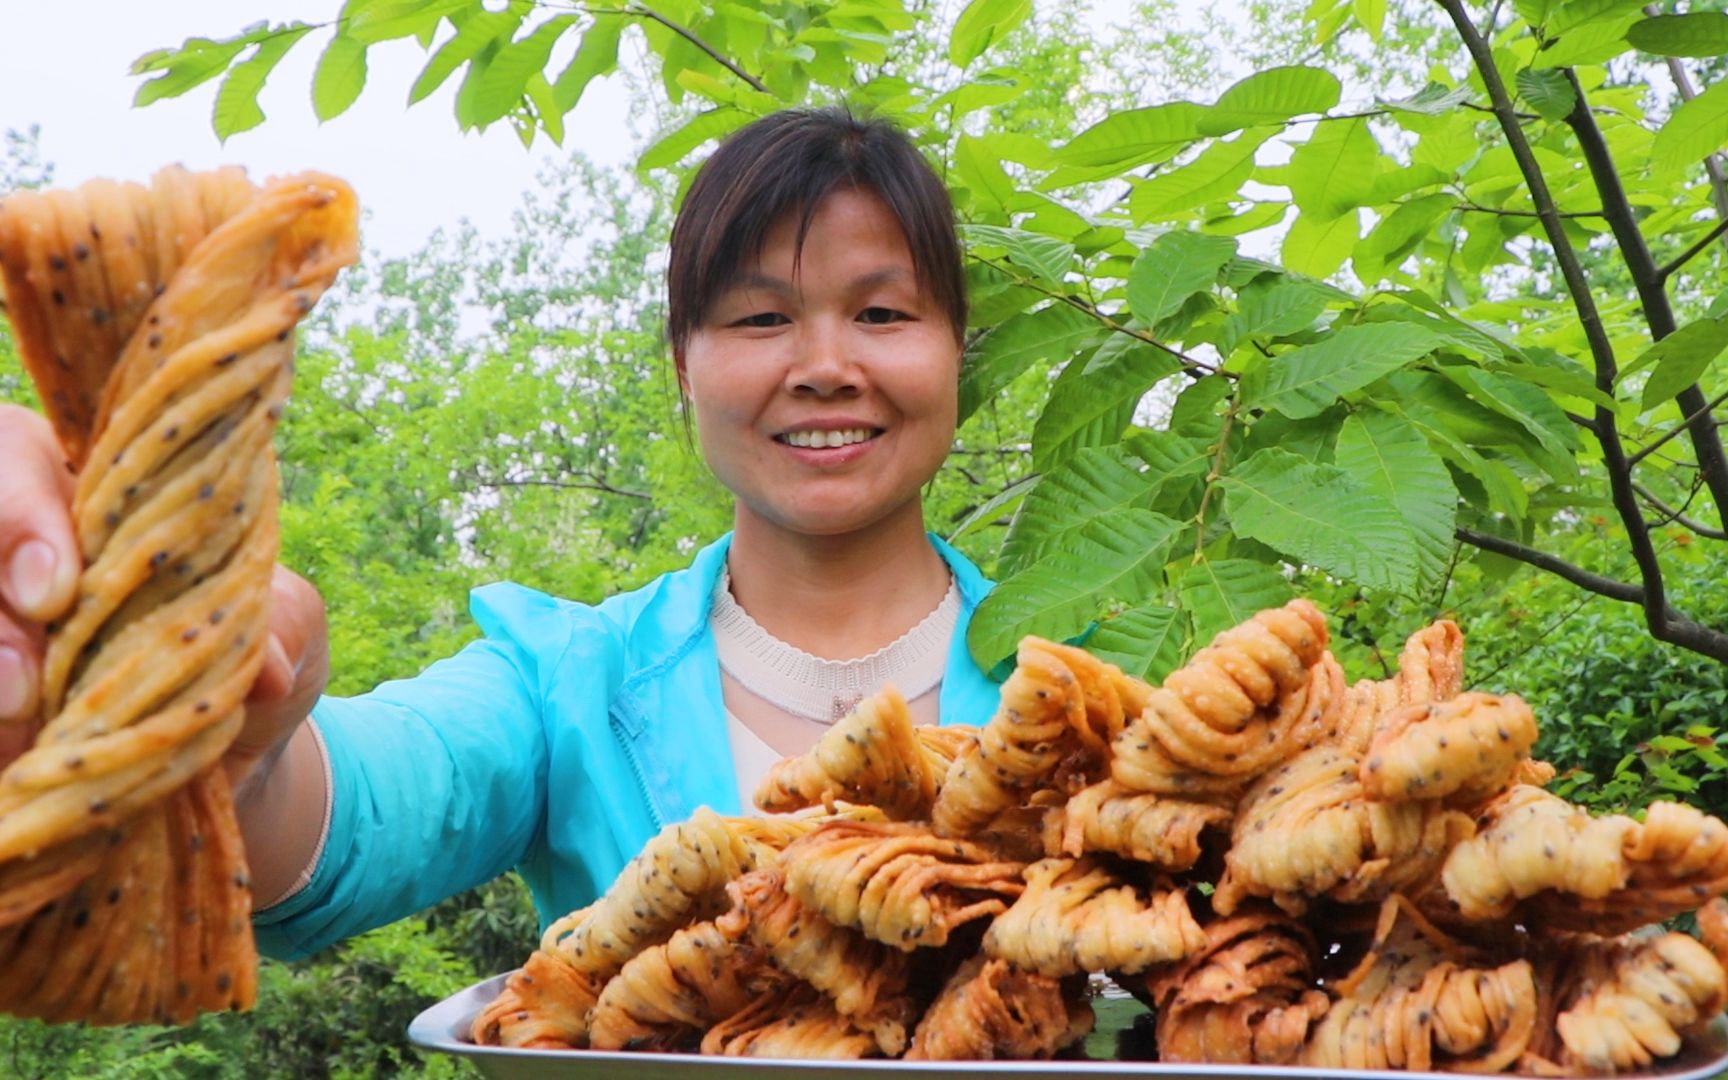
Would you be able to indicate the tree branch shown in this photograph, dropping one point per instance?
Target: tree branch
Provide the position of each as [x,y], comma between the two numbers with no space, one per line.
[689,35]
[1652,295]
[1674,627]
[1678,515]
[1652,596]
[1712,163]
[1471,207]
[1708,408]
[1686,256]
[574,485]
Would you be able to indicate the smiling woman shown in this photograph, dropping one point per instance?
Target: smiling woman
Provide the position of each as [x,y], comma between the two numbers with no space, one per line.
[816,310]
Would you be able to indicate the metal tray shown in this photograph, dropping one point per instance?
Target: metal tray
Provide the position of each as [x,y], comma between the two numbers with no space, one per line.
[1117,1047]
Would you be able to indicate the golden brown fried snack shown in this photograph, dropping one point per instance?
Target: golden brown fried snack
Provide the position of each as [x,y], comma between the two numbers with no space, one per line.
[989,1010]
[1464,749]
[1060,705]
[1246,997]
[666,997]
[1076,916]
[1307,829]
[794,1022]
[1157,829]
[866,979]
[544,1006]
[1430,670]
[156,323]
[1420,1000]
[1229,714]
[1620,1004]
[897,882]
[874,756]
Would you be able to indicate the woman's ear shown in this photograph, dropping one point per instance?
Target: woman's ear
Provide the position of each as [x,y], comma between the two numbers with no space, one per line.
[683,373]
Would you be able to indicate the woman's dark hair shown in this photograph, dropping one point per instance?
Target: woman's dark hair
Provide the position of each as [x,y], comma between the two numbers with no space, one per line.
[788,162]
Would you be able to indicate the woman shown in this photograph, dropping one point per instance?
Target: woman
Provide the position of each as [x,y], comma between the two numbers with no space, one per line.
[816,312]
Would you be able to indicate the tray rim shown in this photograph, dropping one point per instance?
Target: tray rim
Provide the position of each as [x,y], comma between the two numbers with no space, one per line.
[442,1028]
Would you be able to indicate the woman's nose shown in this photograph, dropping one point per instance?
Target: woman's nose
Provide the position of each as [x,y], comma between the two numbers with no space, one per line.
[825,366]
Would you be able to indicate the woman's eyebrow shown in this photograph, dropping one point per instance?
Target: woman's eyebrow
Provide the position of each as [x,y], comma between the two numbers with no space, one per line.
[887,275]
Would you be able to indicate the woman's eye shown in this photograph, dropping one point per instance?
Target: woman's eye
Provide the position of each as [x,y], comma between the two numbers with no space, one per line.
[879,316]
[763,319]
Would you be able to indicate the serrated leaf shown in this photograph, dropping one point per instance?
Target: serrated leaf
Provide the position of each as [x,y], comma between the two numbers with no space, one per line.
[1548,91]
[1007,501]
[1119,556]
[1221,593]
[1048,334]
[1568,15]
[1433,99]
[1695,129]
[1134,137]
[1680,358]
[539,92]
[1306,381]
[1318,245]
[983,24]
[1046,257]
[1320,516]
[1388,456]
[1178,464]
[1093,407]
[1397,235]
[1272,97]
[1176,266]
[1262,216]
[597,55]
[1219,172]
[499,87]
[196,61]
[1334,171]
[1596,43]
[1532,411]
[339,77]
[476,31]
[236,107]
[400,19]
[1195,414]
[981,174]
[1284,306]
[683,140]
[1698,33]
[1097,481]
[1146,642]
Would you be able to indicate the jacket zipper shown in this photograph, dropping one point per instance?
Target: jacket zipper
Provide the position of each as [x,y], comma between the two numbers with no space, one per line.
[636,768]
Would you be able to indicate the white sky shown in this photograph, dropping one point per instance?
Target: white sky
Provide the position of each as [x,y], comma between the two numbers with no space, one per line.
[63,66]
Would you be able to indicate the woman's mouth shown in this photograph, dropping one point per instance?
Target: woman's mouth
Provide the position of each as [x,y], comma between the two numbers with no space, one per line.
[819,440]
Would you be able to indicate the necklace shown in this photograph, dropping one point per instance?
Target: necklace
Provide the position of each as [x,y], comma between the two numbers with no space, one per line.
[822,690]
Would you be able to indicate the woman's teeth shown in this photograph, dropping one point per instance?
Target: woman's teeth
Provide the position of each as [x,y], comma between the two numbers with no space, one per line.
[816,440]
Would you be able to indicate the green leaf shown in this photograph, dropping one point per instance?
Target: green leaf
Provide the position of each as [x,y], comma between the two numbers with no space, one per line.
[1534,12]
[1134,137]
[340,75]
[1095,482]
[983,24]
[196,61]
[1006,501]
[1272,97]
[1388,456]
[1699,33]
[1195,414]
[700,129]
[1282,307]
[1595,43]
[1695,130]
[539,92]
[1372,15]
[400,18]
[1045,256]
[475,32]
[1219,172]
[1680,358]
[1176,266]
[1333,172]
[1146,641]
[1531,411]
[1222,593]
[1433,99]
[1548,91]
[1092,407]
[1397,235]
[505,81]
[982,174]
[1119,556]
[1569,14]
[1319,515]
[596,56]
[1048,334]
[1306,381]
[236,107]
[1317,245]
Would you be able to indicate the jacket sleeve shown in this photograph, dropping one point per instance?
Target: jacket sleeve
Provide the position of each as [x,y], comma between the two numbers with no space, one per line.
[437,783]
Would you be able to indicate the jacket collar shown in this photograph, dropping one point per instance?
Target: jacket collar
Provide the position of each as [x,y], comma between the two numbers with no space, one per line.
[670,702]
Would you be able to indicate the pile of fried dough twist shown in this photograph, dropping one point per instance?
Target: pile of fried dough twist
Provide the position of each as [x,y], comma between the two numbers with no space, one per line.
[1286,868]
[155,322]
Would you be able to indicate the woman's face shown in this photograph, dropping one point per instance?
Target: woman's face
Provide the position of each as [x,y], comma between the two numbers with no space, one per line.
[825,398]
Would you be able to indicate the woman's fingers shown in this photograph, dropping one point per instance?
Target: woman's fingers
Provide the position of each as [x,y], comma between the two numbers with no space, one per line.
[20,671]
[296,666]
[39,558]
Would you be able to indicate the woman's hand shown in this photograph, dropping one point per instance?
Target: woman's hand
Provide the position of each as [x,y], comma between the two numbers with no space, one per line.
[39,564]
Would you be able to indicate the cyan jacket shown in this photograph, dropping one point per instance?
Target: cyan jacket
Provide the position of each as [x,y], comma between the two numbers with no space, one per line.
[558,744]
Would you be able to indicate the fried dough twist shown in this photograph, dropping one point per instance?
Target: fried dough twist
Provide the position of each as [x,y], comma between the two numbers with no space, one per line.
[1157,829]
[794,1022]
[667,996]
[156,324]
[1076,916]
[1465,749]
[991,1010]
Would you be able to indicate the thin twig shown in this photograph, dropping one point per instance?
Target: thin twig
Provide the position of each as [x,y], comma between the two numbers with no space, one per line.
[1475,209]
[1709,407]
[1678,515]
[574,485]
[1212,477]
[689,35]
[1686,256]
